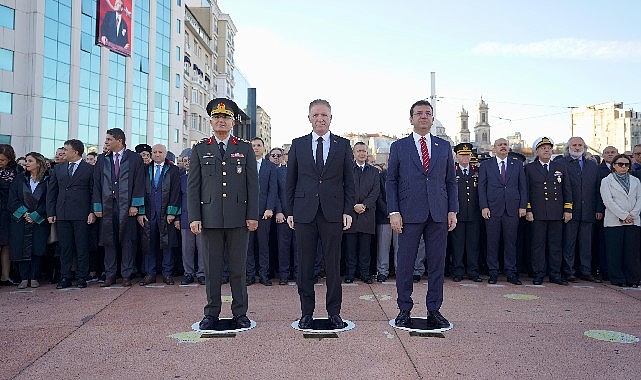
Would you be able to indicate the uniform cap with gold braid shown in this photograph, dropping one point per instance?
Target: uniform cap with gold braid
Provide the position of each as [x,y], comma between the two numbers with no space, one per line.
[542,141]
[222,106]
[463,148]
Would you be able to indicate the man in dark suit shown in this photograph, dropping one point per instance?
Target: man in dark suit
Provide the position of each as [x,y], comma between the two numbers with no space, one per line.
[118,198]
[465,237]
[259,240]
[222,201]
[320,196]
[358,237]
[585,184]
[69,207]
[502,199]
[114,28]
[162,206]
[603,170]
[422,199]
[286,237]
[549,206]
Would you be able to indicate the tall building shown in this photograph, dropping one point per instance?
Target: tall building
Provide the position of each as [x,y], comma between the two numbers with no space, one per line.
[516,142]
[264,127]
[482,129]
[606,124]
[464,133]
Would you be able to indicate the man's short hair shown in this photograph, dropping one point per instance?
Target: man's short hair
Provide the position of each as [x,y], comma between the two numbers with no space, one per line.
[359,143]
[258,139]
[278,149]
[76,145]
[317,102]
[117,134]
[92,154]
[420,103]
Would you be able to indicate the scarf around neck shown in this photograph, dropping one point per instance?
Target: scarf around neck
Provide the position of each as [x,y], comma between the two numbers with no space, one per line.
[623,180]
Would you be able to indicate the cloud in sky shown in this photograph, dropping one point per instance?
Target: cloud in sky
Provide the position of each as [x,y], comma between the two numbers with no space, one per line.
[565,48]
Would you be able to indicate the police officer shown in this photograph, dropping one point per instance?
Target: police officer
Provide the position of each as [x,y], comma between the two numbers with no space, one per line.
[465,237]
[549,206]
[222,200]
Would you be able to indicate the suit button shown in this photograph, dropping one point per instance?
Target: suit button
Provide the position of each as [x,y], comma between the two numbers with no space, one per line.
[321,181]
[224,183]
[316,195]
[224,163]
[202,203]
[224,195]
[224,173]
[546,199]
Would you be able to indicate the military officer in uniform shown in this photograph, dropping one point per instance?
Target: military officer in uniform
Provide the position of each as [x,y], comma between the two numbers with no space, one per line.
[465,237]
[549,206]
[222,201]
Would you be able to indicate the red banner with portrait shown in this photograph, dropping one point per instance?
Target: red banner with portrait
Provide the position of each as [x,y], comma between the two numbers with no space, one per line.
[114,26]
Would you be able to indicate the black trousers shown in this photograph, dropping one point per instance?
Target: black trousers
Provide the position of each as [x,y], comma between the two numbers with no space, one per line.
[547,233]
[307,235]
[622,249]
[73,233]
[259,241]
[465,237]
[357,254]
[576,231]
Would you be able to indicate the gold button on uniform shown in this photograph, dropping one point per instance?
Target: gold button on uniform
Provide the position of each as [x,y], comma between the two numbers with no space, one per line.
[224,173]
[224,183]
[224,195]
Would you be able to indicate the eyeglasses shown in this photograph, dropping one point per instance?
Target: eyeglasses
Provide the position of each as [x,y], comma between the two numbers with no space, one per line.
[220,116]
[622,164]
[276,155]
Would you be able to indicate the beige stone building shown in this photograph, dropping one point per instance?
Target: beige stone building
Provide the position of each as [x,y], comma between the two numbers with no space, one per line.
[605,124]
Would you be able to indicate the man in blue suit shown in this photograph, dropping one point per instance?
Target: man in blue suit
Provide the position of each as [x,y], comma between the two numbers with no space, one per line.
[259,239]
[502,199]
[422,199]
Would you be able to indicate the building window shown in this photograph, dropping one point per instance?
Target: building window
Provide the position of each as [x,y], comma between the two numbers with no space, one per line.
[178,56]
[7,17]
[177,108]
[177,80]
[6,59]
[6,102]
[178,23]
[176,135]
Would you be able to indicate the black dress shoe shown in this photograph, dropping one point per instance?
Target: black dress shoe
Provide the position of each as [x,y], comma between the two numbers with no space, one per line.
[492,280]
[514,280]
[305,322]
[188,279]
[476,279]
[108,282]
[201,280]
[266,281]
[282,282]
[336,322]
[81,283]
[208,323]
[572,279]
[368,280]
[586,277]
[537,281]
[457,278]
[441,322]
[403,319]
[148,279]
[64,283]
[349,280]
[381,278]
[242,322]
[559,281]
[250,280]
[416,278]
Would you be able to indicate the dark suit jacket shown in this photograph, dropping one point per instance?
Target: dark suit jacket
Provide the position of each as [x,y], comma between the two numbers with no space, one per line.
[69,198]
[468,195]
[585,188]
[307,187]
[222,192]
[549,193]
[281,198]
[268,187]
[367,188]
[119,37]
[502,197]
[170,190]
[416,194]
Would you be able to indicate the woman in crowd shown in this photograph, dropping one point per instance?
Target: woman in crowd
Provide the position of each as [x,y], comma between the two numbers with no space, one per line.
[29,229]
[621,193]
[8,171]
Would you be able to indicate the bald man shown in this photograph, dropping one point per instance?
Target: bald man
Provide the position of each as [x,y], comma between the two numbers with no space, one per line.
[162,204]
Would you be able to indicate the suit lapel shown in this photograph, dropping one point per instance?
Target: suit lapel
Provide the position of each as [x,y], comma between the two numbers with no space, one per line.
[410,145]
[434,156]
[333,147]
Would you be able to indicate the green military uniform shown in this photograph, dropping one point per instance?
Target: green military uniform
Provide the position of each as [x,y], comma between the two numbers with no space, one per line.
[222,193]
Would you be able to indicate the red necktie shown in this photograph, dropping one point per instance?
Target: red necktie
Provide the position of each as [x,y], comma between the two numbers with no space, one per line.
[425,154]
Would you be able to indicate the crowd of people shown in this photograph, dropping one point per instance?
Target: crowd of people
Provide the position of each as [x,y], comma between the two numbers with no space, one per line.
[570,217]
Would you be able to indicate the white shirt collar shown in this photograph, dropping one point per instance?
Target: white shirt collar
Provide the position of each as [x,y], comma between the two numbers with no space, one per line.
[325,137]
[417,138]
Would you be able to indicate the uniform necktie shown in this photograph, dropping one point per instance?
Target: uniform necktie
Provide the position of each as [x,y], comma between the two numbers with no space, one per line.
[465,172]
[70,168]
[503,170]
[221,146]
[157,175]
[117,164]
[320,163]
[425,154]
[545,166]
